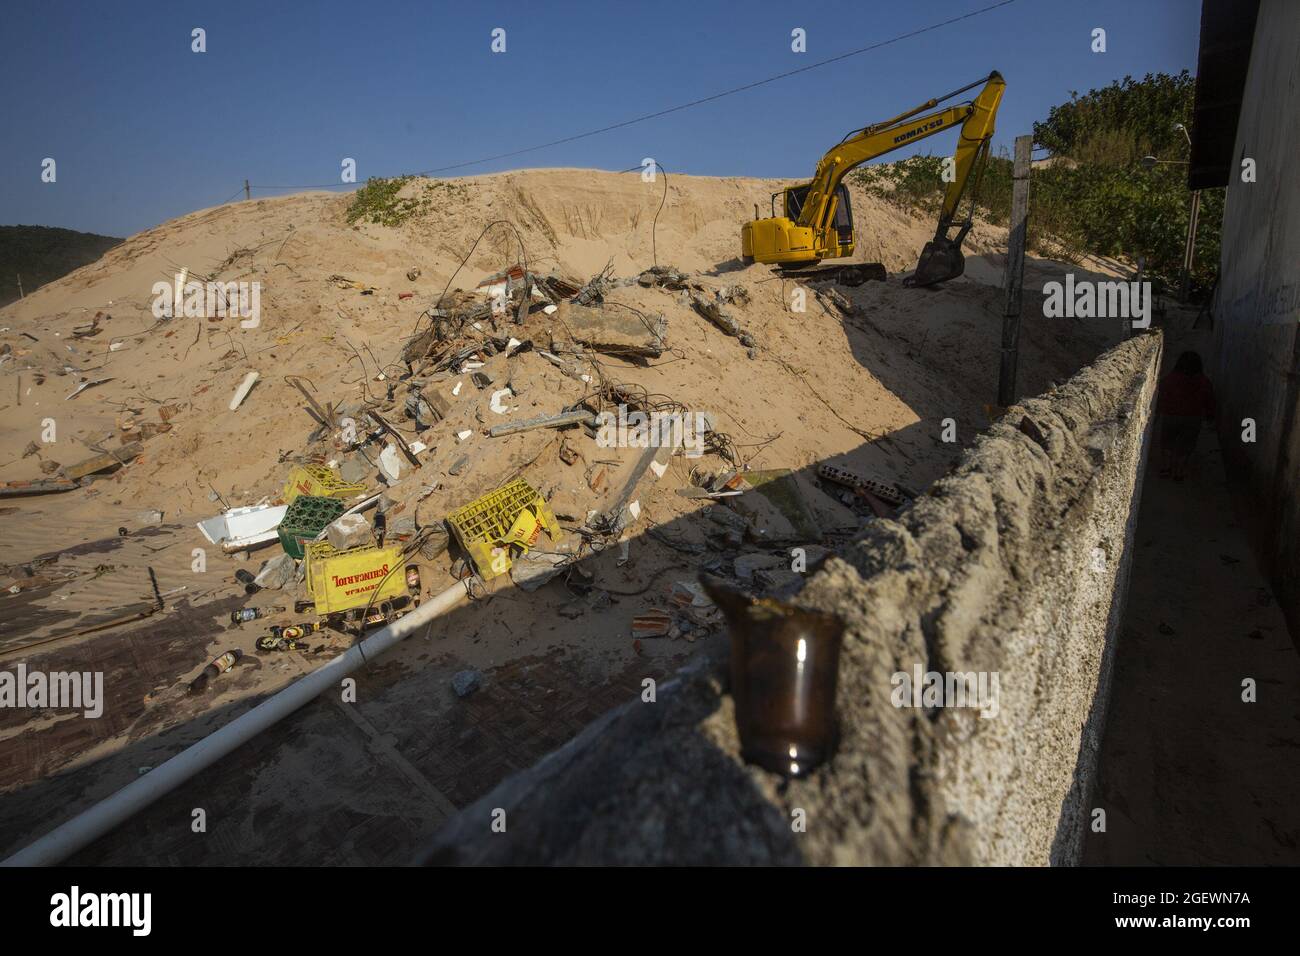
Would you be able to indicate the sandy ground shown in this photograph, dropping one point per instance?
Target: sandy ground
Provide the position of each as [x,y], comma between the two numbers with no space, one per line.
[870,390]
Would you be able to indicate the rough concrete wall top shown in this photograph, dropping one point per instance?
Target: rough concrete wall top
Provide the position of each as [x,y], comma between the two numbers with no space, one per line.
[980,574]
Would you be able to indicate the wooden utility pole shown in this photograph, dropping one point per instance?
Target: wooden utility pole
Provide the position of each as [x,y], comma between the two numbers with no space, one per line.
[248,193]
[1015,274]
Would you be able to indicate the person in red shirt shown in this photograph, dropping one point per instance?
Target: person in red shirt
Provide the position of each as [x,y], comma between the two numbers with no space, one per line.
[1185,399]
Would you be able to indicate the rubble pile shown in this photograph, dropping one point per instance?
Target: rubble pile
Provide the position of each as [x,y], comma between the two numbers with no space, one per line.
[512,441]
[668,421]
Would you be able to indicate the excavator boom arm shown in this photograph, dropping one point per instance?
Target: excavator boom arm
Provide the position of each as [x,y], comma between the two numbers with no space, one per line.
[976,121]
[817,222]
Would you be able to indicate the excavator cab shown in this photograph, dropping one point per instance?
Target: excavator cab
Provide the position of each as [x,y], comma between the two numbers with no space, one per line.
[841,219]
[780,239]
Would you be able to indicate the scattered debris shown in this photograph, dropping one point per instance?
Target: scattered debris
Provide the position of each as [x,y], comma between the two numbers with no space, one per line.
[881,489]
[239,529]
[690,593]
[577,416]
[776,509]
[304,519]
[366,576]
[276,573]
[834,299]
[488,528]
[108,460]
[466,682]
[532,569]
[747,564]
[40,486]
[245,387]
[390,463]
[85,384]
[217,667]
[653,623]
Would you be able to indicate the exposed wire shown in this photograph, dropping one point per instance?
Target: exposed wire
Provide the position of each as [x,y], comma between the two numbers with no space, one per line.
[654,225]
[730,92]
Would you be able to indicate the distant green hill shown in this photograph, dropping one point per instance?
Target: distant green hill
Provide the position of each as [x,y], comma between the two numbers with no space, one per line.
[41,254]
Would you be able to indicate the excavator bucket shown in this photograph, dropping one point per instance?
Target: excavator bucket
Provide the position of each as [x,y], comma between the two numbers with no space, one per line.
[941,260]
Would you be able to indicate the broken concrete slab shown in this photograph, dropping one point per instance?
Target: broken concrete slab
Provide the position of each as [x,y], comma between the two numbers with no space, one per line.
[710,306]
[615,330]
[776,509]
[355,468]
[276,573]
[831,516]
[532,569]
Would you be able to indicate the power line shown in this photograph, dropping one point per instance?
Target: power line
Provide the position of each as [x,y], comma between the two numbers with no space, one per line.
[724,93]
[693,103]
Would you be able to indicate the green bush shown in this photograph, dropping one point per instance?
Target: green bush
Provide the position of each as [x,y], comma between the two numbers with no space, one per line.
[380,202]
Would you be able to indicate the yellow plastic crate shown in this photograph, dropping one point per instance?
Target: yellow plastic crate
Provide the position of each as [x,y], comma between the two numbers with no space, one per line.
[319,481]
[339,580]
[485,526]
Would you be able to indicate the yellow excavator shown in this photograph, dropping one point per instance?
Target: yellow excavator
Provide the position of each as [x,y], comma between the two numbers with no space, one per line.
[818,221]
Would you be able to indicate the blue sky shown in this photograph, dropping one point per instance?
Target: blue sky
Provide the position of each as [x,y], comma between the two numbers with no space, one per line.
[143,129]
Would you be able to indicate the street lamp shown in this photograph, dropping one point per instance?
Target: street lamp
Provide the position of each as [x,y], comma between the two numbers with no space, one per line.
[1189,246]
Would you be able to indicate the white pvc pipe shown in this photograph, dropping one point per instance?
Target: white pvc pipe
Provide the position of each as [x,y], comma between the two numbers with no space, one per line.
[99,819]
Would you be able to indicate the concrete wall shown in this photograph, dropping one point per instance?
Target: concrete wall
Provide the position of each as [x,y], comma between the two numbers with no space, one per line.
[1257,370]
[1016,563]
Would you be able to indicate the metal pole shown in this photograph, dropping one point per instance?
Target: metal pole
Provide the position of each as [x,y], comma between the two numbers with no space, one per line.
[1015,273]
[86,827]
[1189,247]
[248,193]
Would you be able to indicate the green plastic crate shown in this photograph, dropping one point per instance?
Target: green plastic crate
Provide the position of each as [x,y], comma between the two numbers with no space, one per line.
[306,517]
